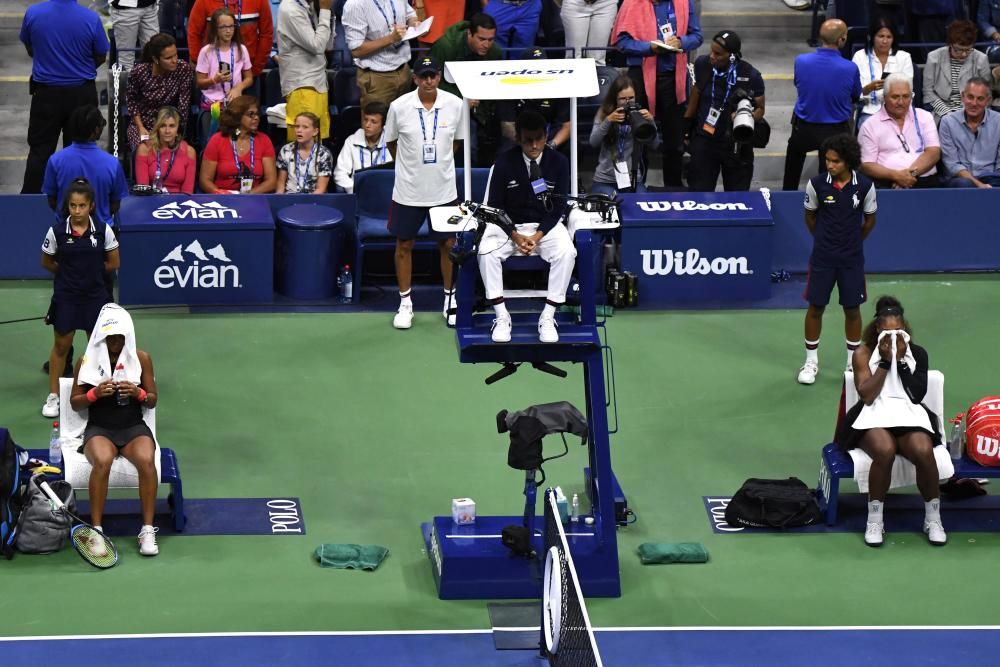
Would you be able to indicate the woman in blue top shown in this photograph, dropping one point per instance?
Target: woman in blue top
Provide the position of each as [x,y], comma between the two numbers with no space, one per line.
[78,251]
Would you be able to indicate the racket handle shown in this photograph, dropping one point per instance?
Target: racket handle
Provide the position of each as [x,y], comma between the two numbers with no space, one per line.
[44,486]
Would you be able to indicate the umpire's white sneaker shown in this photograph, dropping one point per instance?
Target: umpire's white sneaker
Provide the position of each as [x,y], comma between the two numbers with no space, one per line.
[404,316]
[501,329]
[874,533]
[808,372]
[147,541]
[935,532]
[547,330]
[51,407]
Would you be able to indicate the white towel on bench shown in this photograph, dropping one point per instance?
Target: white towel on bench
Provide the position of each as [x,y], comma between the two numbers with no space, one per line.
[904,473]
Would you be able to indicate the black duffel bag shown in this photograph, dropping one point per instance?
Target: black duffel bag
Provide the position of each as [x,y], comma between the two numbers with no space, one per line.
[773,503]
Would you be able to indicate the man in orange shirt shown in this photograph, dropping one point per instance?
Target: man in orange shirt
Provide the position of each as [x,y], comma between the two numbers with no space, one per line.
[446,13]
[253,18]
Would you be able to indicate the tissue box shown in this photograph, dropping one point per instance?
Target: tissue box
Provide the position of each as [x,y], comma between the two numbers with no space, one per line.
[463,511]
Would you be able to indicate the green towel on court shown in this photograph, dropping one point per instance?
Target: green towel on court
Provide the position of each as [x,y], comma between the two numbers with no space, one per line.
[354,556]
[672,552]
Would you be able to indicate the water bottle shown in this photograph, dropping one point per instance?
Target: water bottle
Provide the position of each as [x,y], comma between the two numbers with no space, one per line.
[345,283]
[119,376]
[955,443]
[55,448]
[575,516]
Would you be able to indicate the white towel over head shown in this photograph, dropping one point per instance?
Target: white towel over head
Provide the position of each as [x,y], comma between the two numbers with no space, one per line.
[893,407]
[96,366]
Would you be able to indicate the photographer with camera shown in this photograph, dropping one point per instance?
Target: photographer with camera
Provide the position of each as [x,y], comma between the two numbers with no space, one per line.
[726,102]
[619,125]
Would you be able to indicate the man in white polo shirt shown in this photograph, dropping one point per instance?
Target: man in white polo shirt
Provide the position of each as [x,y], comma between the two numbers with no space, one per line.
[421,132]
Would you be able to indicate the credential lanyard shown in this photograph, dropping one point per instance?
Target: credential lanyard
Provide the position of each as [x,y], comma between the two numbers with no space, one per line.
[381,11]
[232,65]
[239,9]
[170,165]
[624,131]
[379,152]
[423,128]
[300,174]
[916,126]
[871,71]
[236,159]
[730,82]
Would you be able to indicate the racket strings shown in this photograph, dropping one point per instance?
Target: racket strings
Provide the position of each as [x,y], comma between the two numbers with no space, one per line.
[94,546]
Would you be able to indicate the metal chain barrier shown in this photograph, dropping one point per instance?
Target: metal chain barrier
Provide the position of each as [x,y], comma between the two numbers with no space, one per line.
[116,73]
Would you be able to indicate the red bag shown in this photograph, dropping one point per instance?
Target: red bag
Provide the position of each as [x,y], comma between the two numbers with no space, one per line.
[982,431]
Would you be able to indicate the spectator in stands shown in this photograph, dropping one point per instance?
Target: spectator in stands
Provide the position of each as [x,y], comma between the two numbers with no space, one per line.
[304,165]
[78,251]
[255,25]
[889,419]
[421,132]
[166,161]
[930,17]
[472,40]
[555,112]
[722,79]
[840,213]
[134,23]
[899,144]
[115,425]
[516,178]
[988,18]
[950,67]
[364,149]
[878,59]
[374,31]
[302,42]
[970,140]
[67,44]
[588,25]
[160,80]
[446,13]
[827,87]
[238,159]
[656,37]
[517,22]
[619,168]
[224,70]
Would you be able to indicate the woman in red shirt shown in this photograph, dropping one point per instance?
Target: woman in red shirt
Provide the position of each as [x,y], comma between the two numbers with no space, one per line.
[167,162]
[237,159]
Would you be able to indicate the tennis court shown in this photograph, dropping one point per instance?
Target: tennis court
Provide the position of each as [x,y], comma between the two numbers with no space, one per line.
[374,431]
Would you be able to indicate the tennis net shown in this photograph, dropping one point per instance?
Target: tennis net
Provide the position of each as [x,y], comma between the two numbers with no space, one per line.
[567,637]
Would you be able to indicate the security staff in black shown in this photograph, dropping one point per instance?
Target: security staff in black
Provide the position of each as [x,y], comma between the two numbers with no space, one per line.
[722,79]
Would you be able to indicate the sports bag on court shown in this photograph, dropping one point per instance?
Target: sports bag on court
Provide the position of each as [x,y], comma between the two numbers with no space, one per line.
[10,492]
[773,503]
[982,431]
[40,530]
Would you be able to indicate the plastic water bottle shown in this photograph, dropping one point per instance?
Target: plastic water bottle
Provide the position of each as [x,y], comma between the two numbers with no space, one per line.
[55,448]
[955,442]
[345,283]
[575,516]
[119,376]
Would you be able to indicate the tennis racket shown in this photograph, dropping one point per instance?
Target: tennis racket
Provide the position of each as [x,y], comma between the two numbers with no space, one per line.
[92,545]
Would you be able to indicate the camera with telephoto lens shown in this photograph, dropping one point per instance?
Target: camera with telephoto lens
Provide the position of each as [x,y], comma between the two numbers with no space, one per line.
[743,120]
[643,131]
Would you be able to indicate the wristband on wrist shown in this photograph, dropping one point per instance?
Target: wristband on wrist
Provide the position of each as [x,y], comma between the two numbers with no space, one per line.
[142,395]
[92,395]
[884,365]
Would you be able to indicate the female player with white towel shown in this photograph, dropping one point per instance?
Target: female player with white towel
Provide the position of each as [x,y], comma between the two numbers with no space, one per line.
[890,373]
[114,380]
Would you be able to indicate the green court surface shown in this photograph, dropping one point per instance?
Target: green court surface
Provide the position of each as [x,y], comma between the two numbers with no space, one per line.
[376,430]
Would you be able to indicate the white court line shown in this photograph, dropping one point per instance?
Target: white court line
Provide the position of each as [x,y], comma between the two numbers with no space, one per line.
[377,633]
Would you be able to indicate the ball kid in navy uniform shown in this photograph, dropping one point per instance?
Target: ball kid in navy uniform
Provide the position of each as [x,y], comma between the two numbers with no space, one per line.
[840,213]
[79,251]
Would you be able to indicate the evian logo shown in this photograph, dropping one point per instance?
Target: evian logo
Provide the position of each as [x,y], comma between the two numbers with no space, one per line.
[691,205]
[175,271]
[691,263]
[192,210]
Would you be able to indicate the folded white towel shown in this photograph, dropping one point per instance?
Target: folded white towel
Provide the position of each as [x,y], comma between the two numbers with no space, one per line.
[892,406]
[96,367]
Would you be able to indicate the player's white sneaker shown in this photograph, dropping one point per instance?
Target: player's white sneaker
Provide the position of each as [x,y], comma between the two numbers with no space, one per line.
[808,372]
[935,532]
[449,302]
[874,533]
[547,330]
[96,545]
[404,316]
[147,541]
[501,330]
[51,407]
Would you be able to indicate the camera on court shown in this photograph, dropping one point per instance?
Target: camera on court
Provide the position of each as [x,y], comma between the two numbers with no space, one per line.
[643,131]
[743,120]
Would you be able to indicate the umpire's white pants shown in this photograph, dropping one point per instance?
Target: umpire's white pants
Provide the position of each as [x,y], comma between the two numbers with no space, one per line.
[556,248]
[133,28]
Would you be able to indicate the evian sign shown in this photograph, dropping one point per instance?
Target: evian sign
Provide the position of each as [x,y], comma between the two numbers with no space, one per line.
[691,263]
[202,272]
[192,210]
[691,205]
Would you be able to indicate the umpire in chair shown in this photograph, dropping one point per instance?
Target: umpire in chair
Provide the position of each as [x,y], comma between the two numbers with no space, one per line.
[530,183]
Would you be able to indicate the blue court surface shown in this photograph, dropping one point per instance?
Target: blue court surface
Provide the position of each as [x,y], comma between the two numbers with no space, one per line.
[621,647]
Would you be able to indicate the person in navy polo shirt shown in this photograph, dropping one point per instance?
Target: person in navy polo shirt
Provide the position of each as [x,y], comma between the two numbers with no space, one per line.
[66,43]
[840,213]
[828,85]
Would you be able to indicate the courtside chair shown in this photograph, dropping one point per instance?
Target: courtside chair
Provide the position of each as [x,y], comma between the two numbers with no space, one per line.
[76,468]
[836,464]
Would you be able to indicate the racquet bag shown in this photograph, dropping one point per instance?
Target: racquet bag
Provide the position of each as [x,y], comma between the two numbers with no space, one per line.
[982,431]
